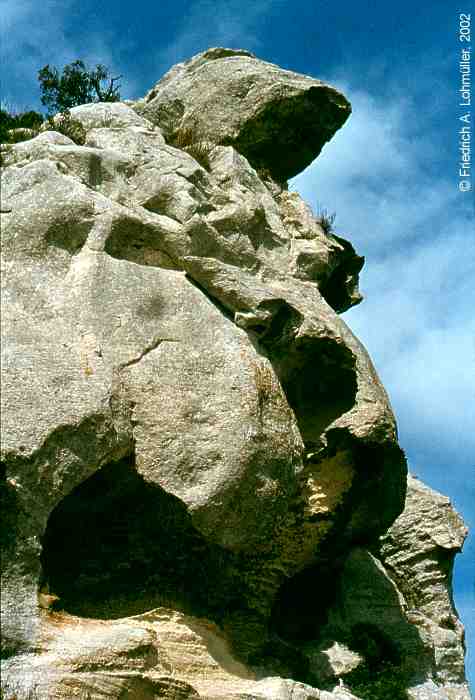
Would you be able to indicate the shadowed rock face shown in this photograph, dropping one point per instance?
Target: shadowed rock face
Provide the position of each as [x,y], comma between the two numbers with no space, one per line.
[196,449]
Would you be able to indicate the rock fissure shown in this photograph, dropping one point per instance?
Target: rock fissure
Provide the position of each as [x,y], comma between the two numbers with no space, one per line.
[149,348]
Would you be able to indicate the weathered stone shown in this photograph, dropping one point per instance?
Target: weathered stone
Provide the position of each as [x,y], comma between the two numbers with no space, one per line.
[430,691]
[279,120]
[187,422]
[104,659]
[330,660]
[418,552]
[98,686]
[160,653]
[404,594]
[368,599]
[321,256]
[110,115]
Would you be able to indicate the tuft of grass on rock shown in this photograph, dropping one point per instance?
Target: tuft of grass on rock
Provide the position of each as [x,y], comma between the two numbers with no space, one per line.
[198,148]
[326,220]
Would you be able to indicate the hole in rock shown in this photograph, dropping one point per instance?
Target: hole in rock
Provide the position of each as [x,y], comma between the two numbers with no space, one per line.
[130,239]
[319,388]
[318,374]
[117,545]
[301,606]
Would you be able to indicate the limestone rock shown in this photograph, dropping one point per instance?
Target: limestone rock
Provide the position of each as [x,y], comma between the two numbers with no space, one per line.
[418,552]
[279,120]
[430,691]
[160,653]
[401,598]
[367,600]
[188,426]
[331,659]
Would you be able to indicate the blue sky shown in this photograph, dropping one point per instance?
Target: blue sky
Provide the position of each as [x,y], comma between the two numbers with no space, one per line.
[390,175]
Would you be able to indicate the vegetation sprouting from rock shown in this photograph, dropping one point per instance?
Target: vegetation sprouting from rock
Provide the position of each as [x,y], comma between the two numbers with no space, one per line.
[197,147]
[326,219]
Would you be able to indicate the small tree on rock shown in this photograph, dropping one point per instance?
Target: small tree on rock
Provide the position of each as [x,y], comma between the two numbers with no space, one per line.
[76,86]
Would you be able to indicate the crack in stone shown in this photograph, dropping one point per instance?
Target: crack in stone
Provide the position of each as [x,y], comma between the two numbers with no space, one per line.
[118,390]
[153,346]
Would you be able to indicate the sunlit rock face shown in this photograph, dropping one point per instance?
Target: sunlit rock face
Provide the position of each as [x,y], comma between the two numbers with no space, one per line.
[198,458]
[279,120]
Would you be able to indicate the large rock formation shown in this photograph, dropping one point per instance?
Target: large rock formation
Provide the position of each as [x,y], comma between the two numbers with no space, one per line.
[195,446]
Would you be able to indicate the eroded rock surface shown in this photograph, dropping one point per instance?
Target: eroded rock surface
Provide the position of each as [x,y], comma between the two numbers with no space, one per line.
[398,600]
[195,446]
[279,120]
[418,553]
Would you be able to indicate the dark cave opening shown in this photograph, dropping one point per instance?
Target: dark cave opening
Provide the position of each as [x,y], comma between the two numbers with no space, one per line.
[317,374]
[301,606]
[318,377]
[117,545]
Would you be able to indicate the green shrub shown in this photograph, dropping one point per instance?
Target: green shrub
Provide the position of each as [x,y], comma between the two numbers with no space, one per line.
[200,151]
[16,127]
[9,121]
[380,677]
[383,683]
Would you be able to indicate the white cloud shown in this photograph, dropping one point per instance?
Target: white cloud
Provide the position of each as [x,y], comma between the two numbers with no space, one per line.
[377,176]
[34,34]
[418,324]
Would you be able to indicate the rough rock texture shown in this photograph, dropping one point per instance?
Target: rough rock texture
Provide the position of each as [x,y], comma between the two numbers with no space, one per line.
[403,592]
[195,447]
[279,120]
[418,553]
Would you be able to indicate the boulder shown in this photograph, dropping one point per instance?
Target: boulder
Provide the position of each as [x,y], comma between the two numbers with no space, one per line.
[418,552]
[279,120]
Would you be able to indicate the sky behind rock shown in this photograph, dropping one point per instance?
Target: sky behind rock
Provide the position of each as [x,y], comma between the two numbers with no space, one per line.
[391,176]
